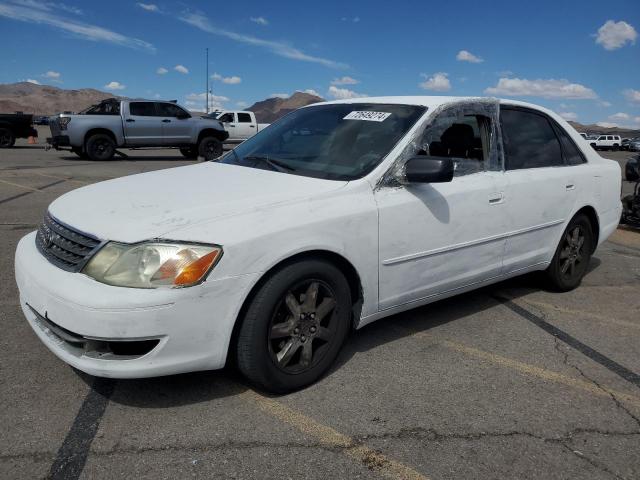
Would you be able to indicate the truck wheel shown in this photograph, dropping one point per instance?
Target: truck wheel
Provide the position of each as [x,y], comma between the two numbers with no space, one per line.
[572,256]
[100,147]
[616,147]
[79,152]
[294,326]
[7,138]
[189,152]
[593,145]
[210,148]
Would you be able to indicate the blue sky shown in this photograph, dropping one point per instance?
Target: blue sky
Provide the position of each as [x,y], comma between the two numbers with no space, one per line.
[580,58]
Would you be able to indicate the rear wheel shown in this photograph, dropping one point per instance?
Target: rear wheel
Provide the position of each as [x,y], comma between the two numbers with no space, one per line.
[189,152]
[100,147]
[571,260]
[7,138]
[615,147]
[294,326]
[210,148]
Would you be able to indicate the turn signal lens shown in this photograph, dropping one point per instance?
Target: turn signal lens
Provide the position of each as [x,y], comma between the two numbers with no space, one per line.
[193,272]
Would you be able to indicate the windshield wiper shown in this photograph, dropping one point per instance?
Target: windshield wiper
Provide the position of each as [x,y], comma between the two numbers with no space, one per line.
[275,164]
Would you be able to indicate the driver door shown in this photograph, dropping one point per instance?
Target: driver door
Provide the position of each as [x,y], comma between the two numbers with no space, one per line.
[441,237]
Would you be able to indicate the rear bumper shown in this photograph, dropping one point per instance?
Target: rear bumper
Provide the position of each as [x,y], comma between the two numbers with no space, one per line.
[59,141]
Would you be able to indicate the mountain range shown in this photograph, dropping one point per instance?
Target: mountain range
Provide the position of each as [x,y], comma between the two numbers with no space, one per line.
[47,100]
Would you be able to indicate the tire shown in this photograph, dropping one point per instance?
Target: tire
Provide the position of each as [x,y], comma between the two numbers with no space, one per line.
[100,147]
[210,148]
[594,146]
[571,260]
[79,152]
[7,138]
[615,147]
[190,152]
[285,343]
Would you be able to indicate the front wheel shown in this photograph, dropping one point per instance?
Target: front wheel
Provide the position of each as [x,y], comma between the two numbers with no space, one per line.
[571,260]
[294,326]
[210,148]
[100,147]
[7,138]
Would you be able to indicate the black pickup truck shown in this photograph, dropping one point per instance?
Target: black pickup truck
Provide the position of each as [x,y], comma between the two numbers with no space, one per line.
[15,125]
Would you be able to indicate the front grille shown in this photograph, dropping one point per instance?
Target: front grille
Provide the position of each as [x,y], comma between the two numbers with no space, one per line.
[65,248]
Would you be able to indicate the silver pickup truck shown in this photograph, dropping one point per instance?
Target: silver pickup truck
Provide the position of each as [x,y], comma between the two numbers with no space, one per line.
[99,131]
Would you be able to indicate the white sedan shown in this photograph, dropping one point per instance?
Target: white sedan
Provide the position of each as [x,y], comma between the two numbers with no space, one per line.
[337,215]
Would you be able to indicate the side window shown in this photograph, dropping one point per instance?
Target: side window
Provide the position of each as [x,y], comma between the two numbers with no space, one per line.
[244,118]
[463,137]
[529,141]
[142,109]
[226,118]
[601,137]
[169,110]
[571,153]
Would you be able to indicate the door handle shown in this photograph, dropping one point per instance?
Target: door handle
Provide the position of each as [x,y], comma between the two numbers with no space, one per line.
[252,126]
[231,125]
[570,186]
[130,120]
[166,120]
[496,198]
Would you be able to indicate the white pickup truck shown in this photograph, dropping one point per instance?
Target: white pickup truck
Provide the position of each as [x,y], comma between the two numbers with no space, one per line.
[240,124]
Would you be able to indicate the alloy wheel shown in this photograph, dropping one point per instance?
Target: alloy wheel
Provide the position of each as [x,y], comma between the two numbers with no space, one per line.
[572,253]
[302,326]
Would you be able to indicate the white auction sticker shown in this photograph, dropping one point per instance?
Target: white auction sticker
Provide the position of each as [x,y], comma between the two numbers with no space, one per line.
[369,116]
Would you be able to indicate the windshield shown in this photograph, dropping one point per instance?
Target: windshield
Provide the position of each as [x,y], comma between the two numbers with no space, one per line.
[337,142]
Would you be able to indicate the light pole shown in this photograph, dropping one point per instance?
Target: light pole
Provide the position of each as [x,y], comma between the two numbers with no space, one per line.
[207,87]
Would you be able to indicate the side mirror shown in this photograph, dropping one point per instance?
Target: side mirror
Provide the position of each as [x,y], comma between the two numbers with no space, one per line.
[426,169]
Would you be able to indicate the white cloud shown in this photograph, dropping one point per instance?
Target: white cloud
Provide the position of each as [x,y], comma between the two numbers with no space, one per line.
[149,7]
[48,6]
[51,74]
[344,93]
[278,48]
[620,116]
[569,115]
[31,80]
[438,82]
[181,69]
[79,29]
[259,20]
[198,100]
[613,35]
[344,81]
[311,91]
[279,95]
[356,19]
[604,103]
[162,71]
[607,124]
[242,104]
[466,56]
[114,86]
[233,80]
[540,88]
[632,95]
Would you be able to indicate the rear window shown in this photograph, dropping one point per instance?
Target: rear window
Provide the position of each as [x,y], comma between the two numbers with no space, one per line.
[244,118]
[142,109]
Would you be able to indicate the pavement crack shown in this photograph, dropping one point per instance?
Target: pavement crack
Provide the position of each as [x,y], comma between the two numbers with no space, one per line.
[597,465]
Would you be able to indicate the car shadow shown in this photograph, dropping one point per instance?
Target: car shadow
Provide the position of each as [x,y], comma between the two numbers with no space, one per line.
[193,388]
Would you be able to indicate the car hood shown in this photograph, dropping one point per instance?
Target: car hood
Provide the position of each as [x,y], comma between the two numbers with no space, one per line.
[159,204]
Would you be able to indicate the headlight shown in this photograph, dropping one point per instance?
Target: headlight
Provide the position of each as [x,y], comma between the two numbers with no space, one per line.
[152,264]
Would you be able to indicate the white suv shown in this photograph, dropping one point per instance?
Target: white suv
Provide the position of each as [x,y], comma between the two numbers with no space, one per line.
[607,142]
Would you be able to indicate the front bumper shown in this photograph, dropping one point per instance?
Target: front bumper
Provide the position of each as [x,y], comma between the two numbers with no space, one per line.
[189,328]
[59,141]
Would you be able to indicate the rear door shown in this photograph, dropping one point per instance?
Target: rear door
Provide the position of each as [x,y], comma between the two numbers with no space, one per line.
[141,124]
[177,124]
[245,127]
[541,187]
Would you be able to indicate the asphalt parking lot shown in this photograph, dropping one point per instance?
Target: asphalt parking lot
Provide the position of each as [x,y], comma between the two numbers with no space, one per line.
[510,381]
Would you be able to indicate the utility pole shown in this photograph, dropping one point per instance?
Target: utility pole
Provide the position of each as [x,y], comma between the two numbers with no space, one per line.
[207,88]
